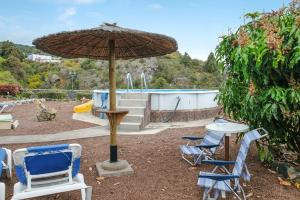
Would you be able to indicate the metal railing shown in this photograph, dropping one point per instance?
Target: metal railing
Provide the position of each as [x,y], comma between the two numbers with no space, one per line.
[143,82]
[129,81]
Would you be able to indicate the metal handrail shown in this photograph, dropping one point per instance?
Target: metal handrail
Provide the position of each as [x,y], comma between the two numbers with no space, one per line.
[143,81]
[129,81]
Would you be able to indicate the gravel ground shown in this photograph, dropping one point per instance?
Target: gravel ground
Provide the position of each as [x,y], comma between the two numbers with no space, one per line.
[160,173]
[28,124]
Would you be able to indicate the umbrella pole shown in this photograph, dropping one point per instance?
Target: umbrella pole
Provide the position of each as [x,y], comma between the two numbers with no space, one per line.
[112,101]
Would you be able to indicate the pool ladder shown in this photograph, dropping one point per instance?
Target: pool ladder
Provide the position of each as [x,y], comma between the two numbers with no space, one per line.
[130,84]
[129,81]
[143,82]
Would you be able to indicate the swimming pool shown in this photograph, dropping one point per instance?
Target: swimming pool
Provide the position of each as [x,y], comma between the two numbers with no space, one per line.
[160,105]
[166,99]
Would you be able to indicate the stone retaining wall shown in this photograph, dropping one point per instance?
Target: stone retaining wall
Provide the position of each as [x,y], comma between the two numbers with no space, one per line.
[184,115]
[180,116]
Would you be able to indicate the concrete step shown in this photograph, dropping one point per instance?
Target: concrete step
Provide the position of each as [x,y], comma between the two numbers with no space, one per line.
[133,118]
[129,126]
[133,102]
[134,96]
[133,110]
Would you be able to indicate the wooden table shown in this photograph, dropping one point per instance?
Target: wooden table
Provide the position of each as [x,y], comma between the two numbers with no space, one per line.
[228,129]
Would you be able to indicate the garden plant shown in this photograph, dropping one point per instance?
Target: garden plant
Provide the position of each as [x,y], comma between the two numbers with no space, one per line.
[261,62]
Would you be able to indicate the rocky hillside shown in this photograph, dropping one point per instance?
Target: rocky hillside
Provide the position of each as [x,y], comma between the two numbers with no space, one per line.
[170,71]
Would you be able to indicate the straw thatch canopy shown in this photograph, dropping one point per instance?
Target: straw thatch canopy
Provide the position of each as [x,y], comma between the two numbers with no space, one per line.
[93,43]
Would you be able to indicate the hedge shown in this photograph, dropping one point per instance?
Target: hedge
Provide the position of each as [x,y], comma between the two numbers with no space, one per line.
[51,95]
[79,96]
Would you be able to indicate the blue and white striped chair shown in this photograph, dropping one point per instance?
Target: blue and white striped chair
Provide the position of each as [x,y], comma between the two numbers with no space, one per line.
[6,107]
[5,164]
[46,170]
[221,183]
[194,153]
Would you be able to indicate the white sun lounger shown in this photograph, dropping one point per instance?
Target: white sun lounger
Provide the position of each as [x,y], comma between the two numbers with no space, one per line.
[5,164]
[46,170]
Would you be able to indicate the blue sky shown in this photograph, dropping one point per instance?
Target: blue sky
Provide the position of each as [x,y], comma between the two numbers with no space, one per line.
[195,24]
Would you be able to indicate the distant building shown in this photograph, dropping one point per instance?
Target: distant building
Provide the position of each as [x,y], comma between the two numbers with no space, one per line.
[43,58]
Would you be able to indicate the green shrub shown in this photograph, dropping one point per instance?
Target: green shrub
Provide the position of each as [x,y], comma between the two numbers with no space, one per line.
[7,78]
[159,83]
[35,81]
[262,64]
[51,95]
[86,95]
[27,95]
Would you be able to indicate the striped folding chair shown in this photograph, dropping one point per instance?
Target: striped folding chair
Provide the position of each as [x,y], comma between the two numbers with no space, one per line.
[216,184]
[5,164]
[6,107]
[194,152]
[46,170]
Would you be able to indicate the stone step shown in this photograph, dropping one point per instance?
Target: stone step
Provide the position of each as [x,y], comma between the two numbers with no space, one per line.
[133,110]
[133,102]
[129,126]
[133,118]
[134,96]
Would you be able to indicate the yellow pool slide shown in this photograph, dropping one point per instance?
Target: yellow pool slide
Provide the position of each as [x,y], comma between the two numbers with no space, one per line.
[85,107]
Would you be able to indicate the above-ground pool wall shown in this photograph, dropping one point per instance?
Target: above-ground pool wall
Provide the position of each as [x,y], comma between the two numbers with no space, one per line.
[188,101]
[192,106]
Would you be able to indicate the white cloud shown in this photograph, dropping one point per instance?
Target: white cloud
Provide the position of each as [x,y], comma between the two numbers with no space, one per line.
[155,6]
[66,17]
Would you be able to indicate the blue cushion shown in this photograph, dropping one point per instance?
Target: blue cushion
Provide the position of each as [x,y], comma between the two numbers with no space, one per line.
[48,163]
[47,159]
[21,174]
[2,158]
[41,149]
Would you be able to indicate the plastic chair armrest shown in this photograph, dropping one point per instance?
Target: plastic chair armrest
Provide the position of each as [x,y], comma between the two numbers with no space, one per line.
[218,162]
[208,146]
[192,138]
[218,177]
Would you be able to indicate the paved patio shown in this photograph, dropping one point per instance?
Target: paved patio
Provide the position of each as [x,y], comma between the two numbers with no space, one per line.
[102,130]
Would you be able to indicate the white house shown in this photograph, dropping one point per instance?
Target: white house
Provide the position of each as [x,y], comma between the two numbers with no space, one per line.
[42,58]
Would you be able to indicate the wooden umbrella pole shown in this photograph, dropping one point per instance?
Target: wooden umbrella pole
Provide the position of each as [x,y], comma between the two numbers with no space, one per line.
[112,76]
[112,102]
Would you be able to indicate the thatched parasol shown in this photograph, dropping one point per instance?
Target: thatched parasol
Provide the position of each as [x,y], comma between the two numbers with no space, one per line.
[108,42]
[94,43]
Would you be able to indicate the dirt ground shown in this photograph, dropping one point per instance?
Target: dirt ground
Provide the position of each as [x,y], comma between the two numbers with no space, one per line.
[28,124]
[160,173]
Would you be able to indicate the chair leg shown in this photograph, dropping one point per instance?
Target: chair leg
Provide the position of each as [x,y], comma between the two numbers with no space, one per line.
[187,160]
[207,192]
[88,193]
[83,194]
[206,196]
[243,192]
[2,191]
[9,163]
